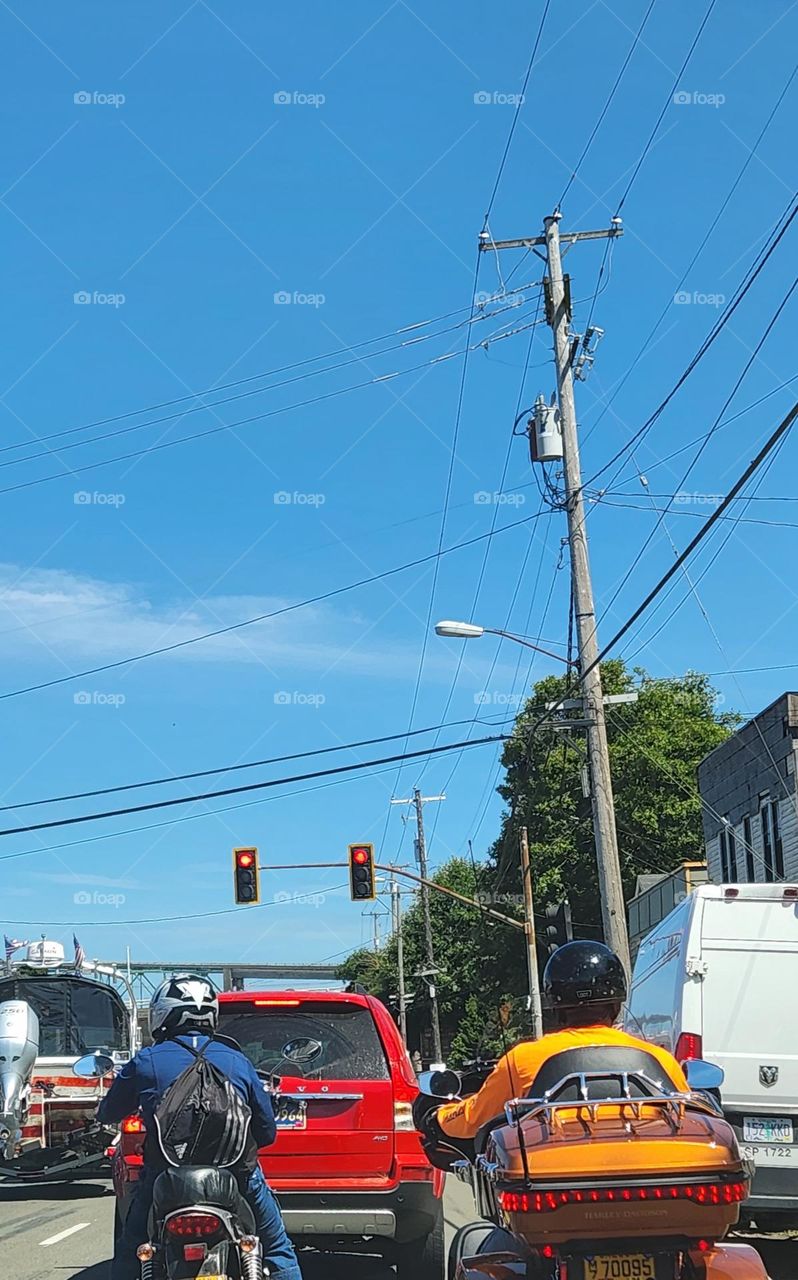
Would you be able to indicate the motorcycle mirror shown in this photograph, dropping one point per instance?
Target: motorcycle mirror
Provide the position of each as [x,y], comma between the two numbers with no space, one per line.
[440,1084]
[703,1076]
[303,1049]
[93,1066]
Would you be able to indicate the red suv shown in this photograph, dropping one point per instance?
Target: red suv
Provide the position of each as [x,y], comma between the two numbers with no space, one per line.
[347,1164]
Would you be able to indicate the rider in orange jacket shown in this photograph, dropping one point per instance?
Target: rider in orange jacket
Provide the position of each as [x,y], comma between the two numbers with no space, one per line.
[584,987]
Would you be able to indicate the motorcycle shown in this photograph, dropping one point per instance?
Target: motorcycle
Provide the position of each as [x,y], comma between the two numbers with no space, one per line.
[602,1172]
[200,1224]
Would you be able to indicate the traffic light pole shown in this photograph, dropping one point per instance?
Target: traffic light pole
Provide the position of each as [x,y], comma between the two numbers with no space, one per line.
[409,875]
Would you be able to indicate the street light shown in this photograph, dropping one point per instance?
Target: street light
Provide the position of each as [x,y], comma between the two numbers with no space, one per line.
[471,631]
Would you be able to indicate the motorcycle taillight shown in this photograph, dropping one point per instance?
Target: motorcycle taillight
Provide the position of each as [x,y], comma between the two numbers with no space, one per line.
[195,1252]
[195,1225]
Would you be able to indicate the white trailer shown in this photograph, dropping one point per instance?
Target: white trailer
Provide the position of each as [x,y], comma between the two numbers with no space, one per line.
[716,979]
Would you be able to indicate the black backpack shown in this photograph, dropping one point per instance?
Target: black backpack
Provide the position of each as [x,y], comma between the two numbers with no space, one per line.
[203,1120]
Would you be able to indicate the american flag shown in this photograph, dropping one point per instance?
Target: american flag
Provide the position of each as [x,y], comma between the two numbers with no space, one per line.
[12,945]
[80,954]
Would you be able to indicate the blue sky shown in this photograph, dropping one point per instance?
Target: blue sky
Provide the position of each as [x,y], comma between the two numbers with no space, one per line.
[196,195]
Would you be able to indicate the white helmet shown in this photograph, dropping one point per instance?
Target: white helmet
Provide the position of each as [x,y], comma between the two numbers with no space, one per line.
[185,1000]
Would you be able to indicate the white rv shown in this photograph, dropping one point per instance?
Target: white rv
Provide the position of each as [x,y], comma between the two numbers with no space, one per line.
[718,979]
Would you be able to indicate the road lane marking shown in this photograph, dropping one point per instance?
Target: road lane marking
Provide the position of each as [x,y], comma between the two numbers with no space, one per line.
[62,1235]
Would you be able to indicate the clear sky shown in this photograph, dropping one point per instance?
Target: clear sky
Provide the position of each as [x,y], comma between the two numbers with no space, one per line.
[196,194]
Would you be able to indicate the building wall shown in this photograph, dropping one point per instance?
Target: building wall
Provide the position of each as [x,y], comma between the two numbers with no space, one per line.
[752,770]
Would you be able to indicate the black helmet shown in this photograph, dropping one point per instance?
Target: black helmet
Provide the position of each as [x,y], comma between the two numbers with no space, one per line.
[583,973]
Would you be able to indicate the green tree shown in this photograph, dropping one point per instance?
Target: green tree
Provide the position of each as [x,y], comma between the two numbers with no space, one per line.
[655,744]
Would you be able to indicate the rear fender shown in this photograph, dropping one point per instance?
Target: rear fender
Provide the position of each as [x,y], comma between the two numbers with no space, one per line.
[731,1262]
[215,1263]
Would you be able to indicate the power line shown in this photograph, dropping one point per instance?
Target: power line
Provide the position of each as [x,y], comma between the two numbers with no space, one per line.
[250,786]
[717,328]
[665,105]
[743,374]
[607,104]
[286,368]
[251,764]
[518,107]
[263,617]
[780,431]
[193,915]
[261,417]
[719,214]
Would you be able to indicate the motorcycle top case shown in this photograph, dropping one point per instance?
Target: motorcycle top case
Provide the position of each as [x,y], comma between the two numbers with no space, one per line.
[647,1156]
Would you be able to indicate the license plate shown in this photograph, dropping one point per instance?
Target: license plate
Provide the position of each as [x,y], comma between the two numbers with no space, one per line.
[292,1115]
[617,1266]
[770,1154]
[767,1129]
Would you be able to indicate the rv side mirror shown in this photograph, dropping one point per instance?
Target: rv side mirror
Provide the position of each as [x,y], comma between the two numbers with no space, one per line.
[93,1066]
[440,1084]
[703,1077]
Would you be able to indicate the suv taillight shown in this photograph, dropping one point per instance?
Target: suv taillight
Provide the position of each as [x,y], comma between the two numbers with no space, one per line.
[403,1115]
[688,1046]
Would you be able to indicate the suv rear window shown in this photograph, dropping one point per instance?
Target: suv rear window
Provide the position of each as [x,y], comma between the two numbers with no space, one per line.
[319,1040]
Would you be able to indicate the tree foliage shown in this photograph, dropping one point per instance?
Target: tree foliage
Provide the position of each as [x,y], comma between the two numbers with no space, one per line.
[656,744]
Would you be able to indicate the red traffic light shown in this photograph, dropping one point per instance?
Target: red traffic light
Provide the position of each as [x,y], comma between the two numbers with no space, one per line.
[246,875]
[360,856]
[245,858]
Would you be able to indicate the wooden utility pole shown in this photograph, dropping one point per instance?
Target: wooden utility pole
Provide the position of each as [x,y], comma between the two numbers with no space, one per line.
[557,293]
[535,1007]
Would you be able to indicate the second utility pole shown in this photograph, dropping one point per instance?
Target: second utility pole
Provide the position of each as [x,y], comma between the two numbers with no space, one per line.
[418,803]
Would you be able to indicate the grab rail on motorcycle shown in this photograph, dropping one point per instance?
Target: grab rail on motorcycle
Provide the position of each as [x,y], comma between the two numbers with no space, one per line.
[548,1112]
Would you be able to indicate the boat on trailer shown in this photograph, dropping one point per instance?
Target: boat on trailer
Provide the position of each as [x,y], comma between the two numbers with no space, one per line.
[53,1012]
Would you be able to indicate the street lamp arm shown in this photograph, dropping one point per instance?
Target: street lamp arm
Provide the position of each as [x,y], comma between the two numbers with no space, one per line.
[508,635]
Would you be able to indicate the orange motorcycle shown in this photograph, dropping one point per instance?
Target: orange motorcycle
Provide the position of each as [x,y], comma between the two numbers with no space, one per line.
[603,1172]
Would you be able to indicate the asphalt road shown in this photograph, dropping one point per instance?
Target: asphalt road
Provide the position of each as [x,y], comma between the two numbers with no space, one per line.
[64,1233]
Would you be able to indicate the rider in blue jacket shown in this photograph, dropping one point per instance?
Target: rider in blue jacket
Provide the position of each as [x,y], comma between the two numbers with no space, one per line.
[185,1011]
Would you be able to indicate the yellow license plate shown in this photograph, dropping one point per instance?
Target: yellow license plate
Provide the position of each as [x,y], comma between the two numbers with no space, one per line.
[617,1266]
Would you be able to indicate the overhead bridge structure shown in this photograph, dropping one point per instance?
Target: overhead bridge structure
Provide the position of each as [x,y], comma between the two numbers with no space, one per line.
[227,975]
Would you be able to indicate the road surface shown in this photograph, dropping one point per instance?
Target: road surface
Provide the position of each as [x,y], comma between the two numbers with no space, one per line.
[64,1233]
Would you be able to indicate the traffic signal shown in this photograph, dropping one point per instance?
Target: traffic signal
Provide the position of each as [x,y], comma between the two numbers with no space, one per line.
[246,887]
[558,926]
[361,872]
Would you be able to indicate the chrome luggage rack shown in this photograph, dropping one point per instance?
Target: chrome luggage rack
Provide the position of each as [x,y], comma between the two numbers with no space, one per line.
[547,1109]
[484,1174]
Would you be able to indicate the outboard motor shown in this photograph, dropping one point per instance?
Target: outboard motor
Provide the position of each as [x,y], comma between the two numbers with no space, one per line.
[19,1048]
